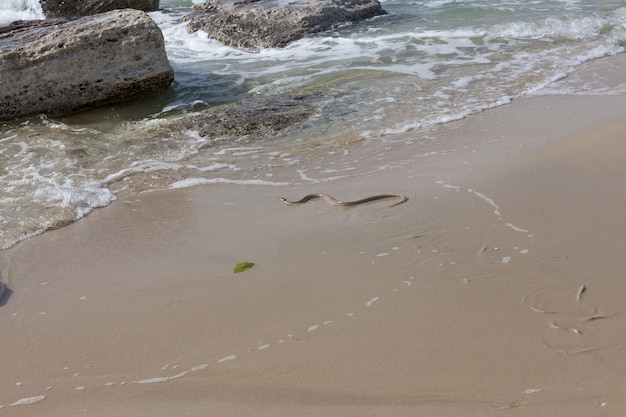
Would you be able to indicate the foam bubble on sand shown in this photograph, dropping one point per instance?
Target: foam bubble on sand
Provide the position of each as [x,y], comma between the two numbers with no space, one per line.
[170,378]
[192,182]
[28,400]
[314,327]
[372,301]
[531,391]
[161,379]
[263,347]
[227,358]
[516,228]
[487,200]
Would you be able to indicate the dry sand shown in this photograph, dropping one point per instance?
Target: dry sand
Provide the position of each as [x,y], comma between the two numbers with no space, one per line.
[498,289]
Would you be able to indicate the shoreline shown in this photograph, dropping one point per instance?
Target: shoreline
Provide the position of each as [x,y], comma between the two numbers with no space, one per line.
[497,286]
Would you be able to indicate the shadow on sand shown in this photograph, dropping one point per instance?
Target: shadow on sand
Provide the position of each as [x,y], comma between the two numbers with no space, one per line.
[5,294]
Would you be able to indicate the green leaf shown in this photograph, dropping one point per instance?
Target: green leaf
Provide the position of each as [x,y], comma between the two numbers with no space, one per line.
[242,266]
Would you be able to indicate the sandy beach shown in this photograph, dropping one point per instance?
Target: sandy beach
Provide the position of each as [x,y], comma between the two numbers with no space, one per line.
[497,289]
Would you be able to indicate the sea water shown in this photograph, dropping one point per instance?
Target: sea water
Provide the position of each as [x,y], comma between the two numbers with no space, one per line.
[425,63]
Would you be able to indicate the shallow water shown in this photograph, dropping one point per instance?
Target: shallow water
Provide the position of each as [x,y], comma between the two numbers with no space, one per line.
[425,63]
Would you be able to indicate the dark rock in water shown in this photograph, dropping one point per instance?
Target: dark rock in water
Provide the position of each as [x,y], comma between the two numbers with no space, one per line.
[252,118]
[76,8]
[3,289]
[60,67]
[256,24]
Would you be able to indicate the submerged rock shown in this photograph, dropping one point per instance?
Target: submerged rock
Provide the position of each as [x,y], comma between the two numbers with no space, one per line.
[60,67]
[253,118]
[256,24]
[73,8]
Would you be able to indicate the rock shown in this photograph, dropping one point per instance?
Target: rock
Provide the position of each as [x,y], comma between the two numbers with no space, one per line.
[73,8]
[256,24]
[248,119]
[61,67]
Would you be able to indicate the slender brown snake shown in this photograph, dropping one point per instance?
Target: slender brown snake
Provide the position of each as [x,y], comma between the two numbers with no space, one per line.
[334,202]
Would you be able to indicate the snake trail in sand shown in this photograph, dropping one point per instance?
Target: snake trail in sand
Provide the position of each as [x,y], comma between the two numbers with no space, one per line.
[334,202]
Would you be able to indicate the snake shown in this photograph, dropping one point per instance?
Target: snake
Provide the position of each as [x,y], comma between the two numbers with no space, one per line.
[334,202]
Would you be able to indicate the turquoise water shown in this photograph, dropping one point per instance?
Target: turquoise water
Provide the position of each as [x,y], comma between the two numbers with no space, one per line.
[425,63]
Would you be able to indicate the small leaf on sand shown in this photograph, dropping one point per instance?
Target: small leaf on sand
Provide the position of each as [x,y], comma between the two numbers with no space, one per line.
[242,266]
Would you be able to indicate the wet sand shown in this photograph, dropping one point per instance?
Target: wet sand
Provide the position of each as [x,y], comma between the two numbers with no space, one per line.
[497,289]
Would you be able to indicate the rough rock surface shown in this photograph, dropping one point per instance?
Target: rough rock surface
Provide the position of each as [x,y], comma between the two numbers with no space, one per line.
[60,67]
[76,8]
[256,24]
[252,118]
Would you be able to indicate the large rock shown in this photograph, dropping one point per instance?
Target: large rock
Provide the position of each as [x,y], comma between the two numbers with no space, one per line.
[59,67]
[256,24]
[76,8]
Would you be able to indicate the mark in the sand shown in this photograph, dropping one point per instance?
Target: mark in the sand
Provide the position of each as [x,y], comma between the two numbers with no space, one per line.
[571,311]
[372,301]
[551,300]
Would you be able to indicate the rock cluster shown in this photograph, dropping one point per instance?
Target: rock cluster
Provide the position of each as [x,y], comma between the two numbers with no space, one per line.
[73,8]
[59,67]
[257,24]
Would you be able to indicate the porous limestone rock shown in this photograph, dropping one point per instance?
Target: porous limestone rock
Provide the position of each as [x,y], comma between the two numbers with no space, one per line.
[248,119]
[76,8]
[60,67]
[257,24]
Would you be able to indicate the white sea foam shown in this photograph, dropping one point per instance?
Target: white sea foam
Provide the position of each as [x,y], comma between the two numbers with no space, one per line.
[372,301]
[488,200]
[28,400]
[193,182]
[516,228]
[11,10]
[161,379]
